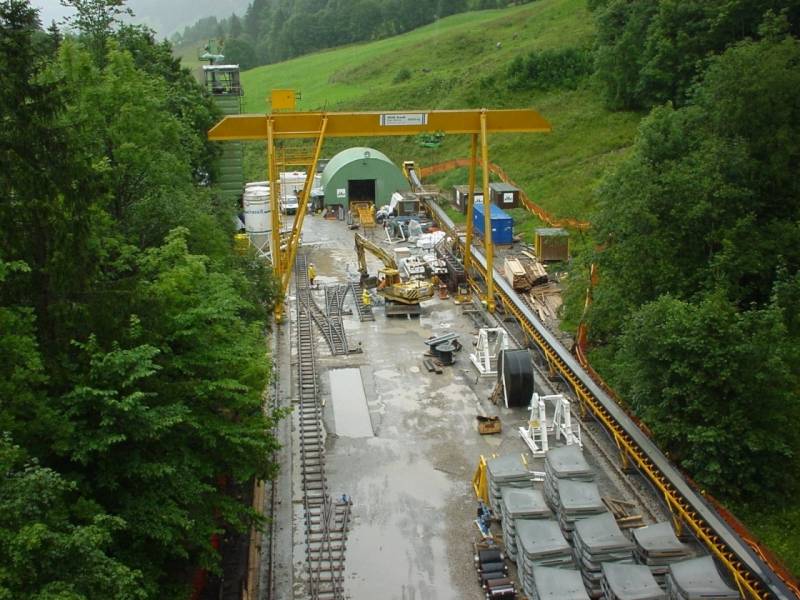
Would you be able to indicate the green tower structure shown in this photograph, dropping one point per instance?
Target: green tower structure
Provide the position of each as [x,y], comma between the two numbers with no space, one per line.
[224,85]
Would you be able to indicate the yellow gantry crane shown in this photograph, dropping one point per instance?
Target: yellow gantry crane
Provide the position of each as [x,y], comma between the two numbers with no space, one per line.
[285,124]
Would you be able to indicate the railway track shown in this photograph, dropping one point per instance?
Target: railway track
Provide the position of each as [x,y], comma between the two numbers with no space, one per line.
[331,326]
[753,574]
[364,312]
[334,299]
[326,520]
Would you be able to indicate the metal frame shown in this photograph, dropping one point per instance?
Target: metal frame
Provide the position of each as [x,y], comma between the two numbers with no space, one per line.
[321,125]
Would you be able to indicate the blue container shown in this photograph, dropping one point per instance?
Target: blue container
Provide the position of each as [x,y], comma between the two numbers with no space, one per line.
[502,223]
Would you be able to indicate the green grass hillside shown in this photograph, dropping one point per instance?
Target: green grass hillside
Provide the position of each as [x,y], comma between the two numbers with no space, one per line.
[451,64]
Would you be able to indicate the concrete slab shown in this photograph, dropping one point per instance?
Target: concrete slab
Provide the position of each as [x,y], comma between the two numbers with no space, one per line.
[350,411]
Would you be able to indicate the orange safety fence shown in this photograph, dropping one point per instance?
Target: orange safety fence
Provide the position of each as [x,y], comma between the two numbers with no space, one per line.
[529,204]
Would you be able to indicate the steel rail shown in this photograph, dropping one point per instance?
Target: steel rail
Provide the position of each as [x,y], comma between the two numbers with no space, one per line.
[325,538]
[364,310]
[750,571]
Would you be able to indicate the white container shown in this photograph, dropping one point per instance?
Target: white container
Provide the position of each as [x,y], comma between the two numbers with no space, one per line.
[292,183]
[256,210]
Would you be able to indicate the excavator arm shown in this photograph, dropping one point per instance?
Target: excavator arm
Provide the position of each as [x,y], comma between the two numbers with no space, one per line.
[363,244]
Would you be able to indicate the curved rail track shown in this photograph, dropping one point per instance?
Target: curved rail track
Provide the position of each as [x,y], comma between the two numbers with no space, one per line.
[752,573]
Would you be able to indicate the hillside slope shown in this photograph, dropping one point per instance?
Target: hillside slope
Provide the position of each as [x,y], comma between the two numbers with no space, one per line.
[460,62]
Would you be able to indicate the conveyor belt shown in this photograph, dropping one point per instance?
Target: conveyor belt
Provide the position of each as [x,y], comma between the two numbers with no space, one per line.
[751,572]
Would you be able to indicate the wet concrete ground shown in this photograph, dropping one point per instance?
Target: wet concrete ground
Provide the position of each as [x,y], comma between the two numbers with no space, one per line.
[412,523]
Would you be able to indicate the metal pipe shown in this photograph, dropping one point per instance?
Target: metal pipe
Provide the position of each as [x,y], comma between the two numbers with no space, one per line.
[294,240]
[488,243]
[473,167]
[274,196]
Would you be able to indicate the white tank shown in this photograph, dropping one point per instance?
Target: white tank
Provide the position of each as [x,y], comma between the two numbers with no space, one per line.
[256,184]
[256,210]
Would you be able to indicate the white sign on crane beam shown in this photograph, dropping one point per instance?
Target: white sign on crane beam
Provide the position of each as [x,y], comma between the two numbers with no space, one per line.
[400,119]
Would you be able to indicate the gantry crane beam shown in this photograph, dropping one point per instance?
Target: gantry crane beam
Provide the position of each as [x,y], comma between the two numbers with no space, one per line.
[478,123]
[296,125]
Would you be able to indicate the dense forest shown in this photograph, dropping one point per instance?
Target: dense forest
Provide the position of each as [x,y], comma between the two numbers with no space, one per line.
[274,30]
[695,317]
[132,354]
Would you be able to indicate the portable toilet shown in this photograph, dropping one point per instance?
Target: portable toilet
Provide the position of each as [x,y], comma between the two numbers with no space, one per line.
[501,222]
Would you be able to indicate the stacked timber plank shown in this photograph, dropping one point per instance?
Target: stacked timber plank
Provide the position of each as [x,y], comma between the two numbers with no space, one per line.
[536,272]
[629,582]
[520,504]
[657,547]
[697,579]
[599,540]
[516,274]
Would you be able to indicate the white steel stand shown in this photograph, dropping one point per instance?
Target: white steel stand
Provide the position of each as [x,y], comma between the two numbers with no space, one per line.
[535,434]
[490,342]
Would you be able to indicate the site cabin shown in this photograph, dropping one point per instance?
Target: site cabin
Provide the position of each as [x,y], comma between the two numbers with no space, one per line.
[504,195]
[460,194]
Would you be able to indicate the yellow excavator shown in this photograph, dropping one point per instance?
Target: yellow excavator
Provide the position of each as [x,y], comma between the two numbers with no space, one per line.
[402,298]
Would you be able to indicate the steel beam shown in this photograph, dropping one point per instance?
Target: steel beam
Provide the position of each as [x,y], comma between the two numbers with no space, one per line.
[473,167]
[368,124]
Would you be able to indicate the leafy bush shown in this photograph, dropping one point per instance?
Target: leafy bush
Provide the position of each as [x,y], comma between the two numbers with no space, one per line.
[402,75]
[549,69]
